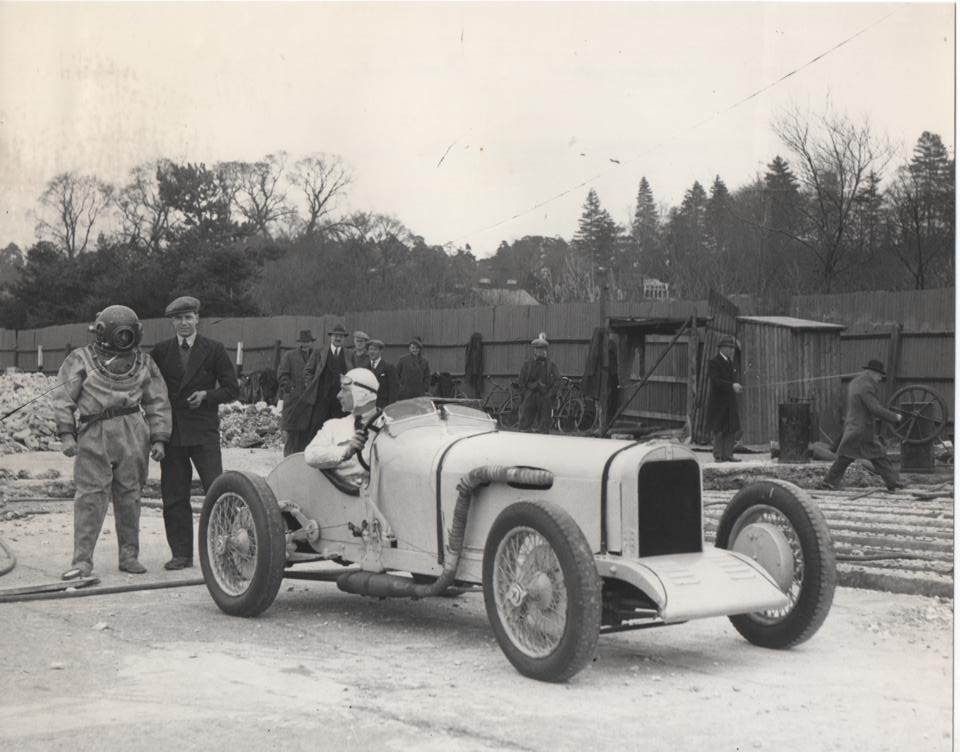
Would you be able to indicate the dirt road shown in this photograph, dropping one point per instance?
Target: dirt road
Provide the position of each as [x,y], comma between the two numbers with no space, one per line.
[165,669]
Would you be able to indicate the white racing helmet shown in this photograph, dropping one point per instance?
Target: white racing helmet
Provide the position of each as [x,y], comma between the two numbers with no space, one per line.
[363,385]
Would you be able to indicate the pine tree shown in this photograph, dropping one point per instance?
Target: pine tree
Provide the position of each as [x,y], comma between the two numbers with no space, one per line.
[597,233]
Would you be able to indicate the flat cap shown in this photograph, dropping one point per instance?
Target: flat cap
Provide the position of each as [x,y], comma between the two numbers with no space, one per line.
[416,341]
[375,343]
[183,304]
[360,335]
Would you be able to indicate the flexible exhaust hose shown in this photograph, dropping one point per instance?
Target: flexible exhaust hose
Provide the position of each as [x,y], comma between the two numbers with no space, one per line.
[383,585]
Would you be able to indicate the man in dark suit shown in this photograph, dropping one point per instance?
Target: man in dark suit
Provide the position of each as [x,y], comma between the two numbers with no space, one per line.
[859,429]
[723,419]
[199,377]
[290,376]
[321,376]
[359,358]
[386,374]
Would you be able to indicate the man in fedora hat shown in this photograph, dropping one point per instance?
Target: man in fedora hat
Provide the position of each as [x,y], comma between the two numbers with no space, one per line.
[723,418]
[860,439]
[359,357]
[539,380]
[321,376]
[199,378]
[413,372]
[290,377]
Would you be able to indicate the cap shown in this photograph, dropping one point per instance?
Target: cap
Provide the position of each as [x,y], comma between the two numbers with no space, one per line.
[416,341]
[375,343]
[540,342]
[727,342]
[360,335]
[306,336]
[183,304]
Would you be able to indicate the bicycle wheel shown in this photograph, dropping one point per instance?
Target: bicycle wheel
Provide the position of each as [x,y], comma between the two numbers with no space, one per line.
[589,419]
[569,416]
[509,413]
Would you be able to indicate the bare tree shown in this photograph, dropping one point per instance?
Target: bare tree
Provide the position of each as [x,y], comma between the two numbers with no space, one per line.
[835,158]
[144,216]
[254,190]
[71,205]
[322,179]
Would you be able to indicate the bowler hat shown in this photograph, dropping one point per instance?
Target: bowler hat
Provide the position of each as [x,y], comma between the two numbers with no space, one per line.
[727,342]
[416,341]
[875,365]
[306,336]
[338,329]
[183,304]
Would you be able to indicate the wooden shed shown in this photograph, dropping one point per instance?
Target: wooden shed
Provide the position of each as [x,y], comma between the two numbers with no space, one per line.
[785,359]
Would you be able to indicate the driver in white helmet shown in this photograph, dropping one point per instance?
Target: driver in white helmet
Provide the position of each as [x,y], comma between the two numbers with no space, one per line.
[111,412]
[341,443]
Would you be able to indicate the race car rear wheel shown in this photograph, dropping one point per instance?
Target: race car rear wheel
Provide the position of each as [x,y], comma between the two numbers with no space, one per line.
[242,543]
[778,524]
[541,590]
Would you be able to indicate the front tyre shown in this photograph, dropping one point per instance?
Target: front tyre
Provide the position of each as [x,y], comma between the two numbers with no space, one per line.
[778,525]
[242,543]
[541,590]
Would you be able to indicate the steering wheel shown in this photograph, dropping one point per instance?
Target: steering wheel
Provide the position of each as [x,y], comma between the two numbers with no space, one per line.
[924,414]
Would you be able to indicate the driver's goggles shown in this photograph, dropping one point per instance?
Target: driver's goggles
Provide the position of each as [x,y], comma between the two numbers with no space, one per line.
[344,381]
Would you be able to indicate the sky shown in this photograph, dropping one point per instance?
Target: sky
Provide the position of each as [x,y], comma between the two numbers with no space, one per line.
[471,123]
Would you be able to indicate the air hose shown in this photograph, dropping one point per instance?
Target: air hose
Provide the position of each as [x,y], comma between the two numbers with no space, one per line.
[383,585]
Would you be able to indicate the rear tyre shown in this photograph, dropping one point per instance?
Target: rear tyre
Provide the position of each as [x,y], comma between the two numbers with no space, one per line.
[779,525]
[541,590]
[242,543]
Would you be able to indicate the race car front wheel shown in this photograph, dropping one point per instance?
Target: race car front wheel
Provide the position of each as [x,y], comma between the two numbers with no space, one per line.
[242,543]
[541,590]
[778,525]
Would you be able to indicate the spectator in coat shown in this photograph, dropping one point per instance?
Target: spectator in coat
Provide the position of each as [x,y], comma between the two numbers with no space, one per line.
[539,381]
[321,376]
[290,377]
[386,374]
[413,372]
[359,357]
[199,378]
[723,418]
[859,430]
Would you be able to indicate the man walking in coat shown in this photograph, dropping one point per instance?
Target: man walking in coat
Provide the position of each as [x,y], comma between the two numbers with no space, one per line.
[321,376]
[290,377]
[859,429]
[723,419]
[199,378]
[413,372]
[386,374]
[539,381]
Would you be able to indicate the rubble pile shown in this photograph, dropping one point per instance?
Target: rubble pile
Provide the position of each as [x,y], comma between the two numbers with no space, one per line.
[32,428]
[248,426]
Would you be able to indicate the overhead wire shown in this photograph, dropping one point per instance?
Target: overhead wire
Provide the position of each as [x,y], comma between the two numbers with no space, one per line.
[677,132]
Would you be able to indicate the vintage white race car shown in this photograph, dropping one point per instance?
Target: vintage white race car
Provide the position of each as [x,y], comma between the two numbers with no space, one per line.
[568,536]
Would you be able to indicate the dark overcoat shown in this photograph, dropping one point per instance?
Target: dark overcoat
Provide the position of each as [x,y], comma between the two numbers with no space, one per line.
[413,376]
[386,374]
[859,422]
[290,375]
[301,410]
[722,413]
[208,369]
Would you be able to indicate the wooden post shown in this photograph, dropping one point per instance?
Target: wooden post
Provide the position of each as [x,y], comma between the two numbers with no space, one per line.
[239,357]
[693,349]
[893,361]
[277,344]
[40,358]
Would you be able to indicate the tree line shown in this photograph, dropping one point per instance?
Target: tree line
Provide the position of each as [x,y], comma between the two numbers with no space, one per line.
[832,213]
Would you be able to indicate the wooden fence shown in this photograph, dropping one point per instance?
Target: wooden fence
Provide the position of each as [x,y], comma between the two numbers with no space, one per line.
[925,341]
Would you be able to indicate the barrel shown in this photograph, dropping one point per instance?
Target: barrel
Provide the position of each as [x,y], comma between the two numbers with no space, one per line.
[794,432]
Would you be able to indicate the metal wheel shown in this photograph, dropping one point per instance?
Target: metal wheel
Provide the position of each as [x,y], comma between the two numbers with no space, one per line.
[778,525]
[542,591]
[924,411]
[569,416]
[590,416]
[508,415]
[242,544]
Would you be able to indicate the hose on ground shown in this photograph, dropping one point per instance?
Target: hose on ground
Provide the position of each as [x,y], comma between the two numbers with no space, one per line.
[85,592]
[9,554]
[383,585]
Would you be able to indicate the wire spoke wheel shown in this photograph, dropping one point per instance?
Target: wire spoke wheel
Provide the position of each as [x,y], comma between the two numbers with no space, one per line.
[924,413]
[569,416]
[242,543]
[509,413]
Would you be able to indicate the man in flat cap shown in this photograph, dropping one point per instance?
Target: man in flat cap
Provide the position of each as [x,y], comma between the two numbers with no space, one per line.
[359,357]
[539,380]
[290,377]
[321,376]
[199,377]
[723,418]
[413,372]
[860,439]
[386,374]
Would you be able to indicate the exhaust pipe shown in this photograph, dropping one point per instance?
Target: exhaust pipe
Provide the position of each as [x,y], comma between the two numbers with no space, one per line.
[383,585]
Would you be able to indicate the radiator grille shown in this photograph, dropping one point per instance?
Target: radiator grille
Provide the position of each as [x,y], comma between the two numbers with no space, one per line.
[669,509]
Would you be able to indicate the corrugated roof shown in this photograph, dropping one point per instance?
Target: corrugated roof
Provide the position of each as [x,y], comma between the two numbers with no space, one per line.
[789,322]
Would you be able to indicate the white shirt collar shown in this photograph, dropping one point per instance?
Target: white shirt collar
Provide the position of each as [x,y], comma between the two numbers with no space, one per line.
[189,340]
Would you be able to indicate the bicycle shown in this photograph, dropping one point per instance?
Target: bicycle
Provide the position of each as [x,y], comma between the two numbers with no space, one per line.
[502,403]
[576,413]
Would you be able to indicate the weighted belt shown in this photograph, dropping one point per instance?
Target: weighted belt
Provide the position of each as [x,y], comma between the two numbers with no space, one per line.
[111,412]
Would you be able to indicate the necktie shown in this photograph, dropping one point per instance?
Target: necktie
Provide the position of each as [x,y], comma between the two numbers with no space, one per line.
[184,345]
[184,353]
